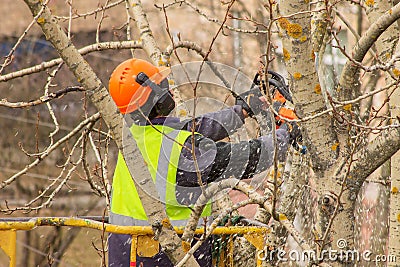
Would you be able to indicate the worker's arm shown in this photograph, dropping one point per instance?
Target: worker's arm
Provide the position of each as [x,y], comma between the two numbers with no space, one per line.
[218,125]
[221,160]
[245,159]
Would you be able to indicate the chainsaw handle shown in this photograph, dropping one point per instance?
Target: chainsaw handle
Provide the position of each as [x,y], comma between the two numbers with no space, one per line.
[277,81]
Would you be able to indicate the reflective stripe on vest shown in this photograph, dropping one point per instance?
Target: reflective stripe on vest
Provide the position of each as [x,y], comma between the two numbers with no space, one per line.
[160,147]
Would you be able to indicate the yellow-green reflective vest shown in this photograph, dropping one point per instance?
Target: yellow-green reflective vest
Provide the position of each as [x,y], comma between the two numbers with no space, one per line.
[160,147]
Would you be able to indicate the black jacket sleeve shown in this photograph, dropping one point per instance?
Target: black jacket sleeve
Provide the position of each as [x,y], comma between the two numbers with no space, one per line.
[217,125]
[222,160]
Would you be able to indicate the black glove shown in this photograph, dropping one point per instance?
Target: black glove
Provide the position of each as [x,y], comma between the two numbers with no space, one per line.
[294,132]
[250,101]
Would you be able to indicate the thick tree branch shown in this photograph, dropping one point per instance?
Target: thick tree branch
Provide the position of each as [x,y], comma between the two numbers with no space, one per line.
[376,152]
[350,74]
[149,45]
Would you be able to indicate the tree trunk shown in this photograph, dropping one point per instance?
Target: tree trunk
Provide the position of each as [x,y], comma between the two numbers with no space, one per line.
[299,58]
[394,216]
[378,222]
[320,139]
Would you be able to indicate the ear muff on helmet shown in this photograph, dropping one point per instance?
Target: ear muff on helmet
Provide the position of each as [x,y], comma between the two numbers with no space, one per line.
[161,101]
[165,104]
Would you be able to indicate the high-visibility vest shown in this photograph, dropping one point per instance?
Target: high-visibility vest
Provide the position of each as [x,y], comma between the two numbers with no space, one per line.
[160,147]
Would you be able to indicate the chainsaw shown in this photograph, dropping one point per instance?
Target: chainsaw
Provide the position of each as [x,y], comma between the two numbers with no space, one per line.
[280,94]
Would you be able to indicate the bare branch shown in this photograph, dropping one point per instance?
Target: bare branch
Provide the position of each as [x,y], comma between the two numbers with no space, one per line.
[249,192]
[9,57]
[203,14]
[83,51]
[43,155]
[350,74]
[93,12]
[374,154]
[43,99]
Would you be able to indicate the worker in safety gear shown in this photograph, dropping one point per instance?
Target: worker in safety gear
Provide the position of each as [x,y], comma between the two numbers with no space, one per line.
[141,92]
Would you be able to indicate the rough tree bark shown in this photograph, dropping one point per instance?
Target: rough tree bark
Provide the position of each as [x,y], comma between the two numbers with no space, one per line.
[385,47]
[394,211]
[295,28]
[338,177]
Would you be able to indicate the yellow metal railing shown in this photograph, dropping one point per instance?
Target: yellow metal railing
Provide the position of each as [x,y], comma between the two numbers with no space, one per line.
[8,236]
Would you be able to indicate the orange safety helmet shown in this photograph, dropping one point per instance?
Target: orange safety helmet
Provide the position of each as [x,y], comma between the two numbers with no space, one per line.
[126,92]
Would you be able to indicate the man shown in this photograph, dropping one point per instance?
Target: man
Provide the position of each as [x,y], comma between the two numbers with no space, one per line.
[179,162]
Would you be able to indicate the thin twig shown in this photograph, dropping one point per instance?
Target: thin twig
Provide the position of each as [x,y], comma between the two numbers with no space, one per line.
[93,12]
[100,22]
[41,157]
[83,51]
[9,57]
[43,99]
